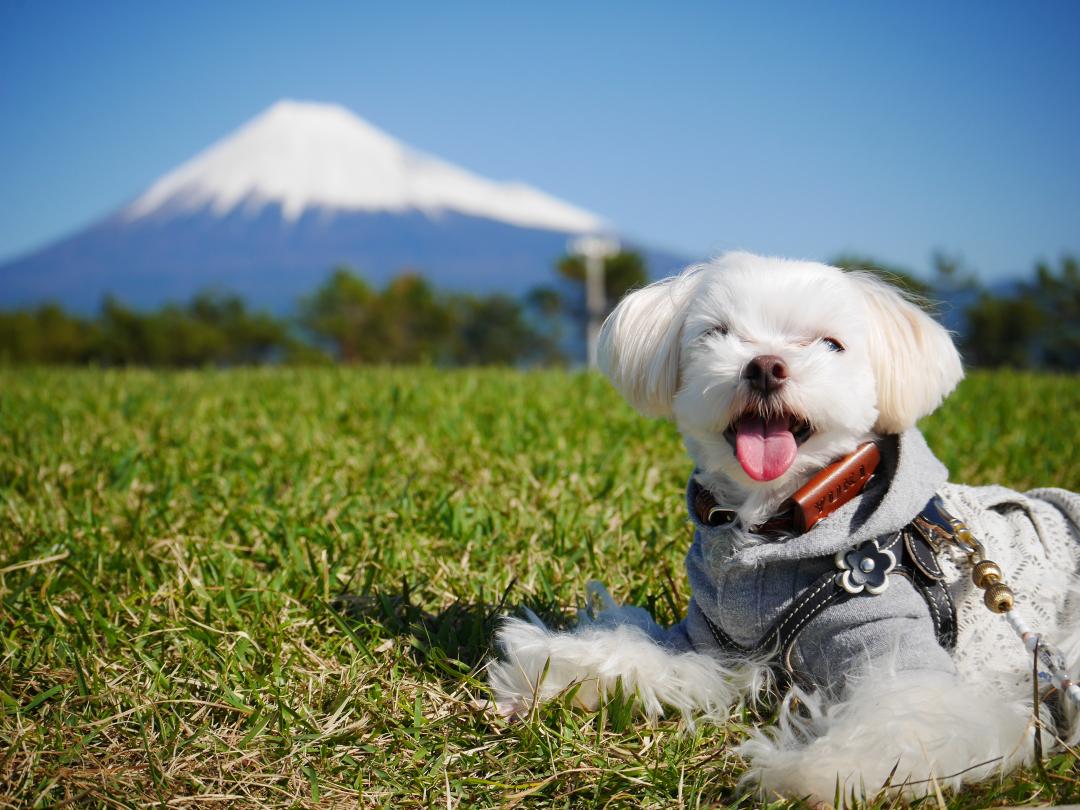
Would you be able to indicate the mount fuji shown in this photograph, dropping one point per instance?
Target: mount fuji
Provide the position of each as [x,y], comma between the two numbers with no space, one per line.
[267,211]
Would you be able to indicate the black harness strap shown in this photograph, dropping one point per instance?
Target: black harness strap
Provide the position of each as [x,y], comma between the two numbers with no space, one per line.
[923,539]
[821,593]
[916,559]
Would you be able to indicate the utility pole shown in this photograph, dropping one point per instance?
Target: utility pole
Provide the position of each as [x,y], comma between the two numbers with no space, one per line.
[594,250]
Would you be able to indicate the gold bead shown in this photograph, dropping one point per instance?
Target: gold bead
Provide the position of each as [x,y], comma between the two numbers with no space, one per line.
[986,573]
[999,598]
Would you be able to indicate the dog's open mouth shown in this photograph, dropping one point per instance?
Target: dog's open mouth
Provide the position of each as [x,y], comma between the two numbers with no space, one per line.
[766,446]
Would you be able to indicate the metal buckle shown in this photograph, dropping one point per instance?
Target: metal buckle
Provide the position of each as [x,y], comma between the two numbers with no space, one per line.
[718,517]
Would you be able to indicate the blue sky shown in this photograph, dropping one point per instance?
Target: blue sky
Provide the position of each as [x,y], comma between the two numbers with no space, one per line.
[806,129]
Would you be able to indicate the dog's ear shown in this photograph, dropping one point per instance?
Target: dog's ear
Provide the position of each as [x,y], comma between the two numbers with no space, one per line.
[639,345]
[914,360]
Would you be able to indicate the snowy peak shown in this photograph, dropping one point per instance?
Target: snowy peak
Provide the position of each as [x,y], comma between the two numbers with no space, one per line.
[304,155]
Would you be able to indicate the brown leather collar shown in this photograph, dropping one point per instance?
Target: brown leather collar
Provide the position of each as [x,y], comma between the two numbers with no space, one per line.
[823,494]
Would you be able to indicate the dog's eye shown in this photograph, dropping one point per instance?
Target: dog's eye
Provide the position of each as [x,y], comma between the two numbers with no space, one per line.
[833,344]
[719,329]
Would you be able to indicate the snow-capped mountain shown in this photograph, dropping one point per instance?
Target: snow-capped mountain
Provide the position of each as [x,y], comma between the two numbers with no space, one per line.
[305,156]
[267,212]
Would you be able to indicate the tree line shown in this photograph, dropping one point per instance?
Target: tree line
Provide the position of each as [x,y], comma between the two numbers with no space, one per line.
[1033,323]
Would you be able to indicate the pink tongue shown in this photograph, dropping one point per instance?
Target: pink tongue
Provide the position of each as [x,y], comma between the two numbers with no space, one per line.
[765,449]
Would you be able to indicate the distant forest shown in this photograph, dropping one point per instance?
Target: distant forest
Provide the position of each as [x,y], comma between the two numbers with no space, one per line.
[1028,324]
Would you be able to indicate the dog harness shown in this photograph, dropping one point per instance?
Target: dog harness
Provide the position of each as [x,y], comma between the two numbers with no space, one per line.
[860,572]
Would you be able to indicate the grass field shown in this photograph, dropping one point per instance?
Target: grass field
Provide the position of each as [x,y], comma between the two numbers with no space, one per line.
[277,587]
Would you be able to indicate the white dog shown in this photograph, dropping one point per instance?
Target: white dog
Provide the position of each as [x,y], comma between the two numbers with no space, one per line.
[811,568]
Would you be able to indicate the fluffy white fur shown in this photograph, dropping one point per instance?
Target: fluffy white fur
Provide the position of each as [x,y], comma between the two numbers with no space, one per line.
[610,650]
[679,349]
[904,732]
[538,665]
[662,350]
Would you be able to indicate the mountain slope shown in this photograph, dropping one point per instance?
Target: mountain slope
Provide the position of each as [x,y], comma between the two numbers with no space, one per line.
[267,211]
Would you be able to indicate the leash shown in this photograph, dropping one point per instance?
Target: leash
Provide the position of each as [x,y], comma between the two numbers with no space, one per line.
[1051,668]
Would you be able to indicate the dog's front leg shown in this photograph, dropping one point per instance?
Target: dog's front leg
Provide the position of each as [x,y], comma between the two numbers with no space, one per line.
[621,648]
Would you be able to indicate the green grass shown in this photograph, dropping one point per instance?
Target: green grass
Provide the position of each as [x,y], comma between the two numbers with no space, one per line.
[277,587]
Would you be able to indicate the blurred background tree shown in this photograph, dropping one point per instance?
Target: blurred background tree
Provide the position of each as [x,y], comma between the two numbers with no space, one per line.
[1058,296]
[562,309]
[342,313]
[545,307]
[495,331]
[1033,323]
[411,323]
[46,335]
[623,271]
[1001,331]
[211,329]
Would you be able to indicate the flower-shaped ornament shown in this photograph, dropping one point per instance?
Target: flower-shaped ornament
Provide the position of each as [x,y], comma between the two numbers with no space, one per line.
[865,568]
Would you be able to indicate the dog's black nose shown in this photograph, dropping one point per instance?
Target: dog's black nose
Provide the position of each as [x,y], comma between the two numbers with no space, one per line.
[766,373]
